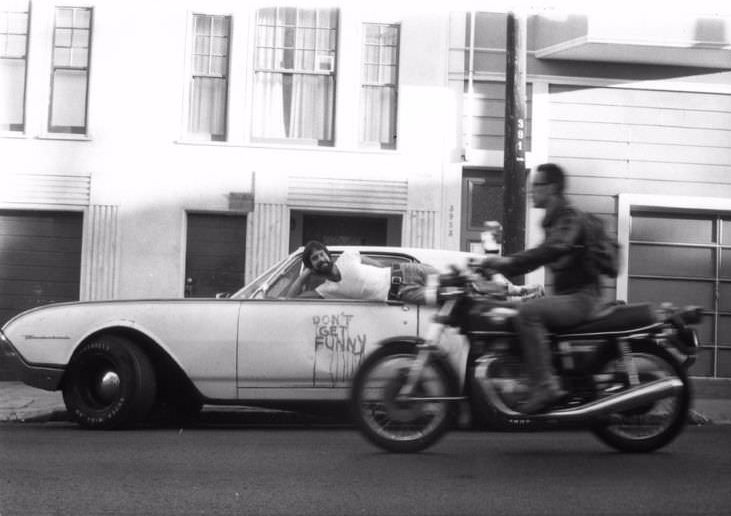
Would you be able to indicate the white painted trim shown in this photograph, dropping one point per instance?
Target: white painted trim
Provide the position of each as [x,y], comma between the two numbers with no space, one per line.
[547,52]
[289,146]
[29,206]
[185,71]
[661,85]
[183,255]
[564,45]
[628,202]
[540,118]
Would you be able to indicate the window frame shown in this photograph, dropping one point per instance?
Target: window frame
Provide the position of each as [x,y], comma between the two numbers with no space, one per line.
[332,53]
[10,10]
[380,85]
[70,131]
[191,75]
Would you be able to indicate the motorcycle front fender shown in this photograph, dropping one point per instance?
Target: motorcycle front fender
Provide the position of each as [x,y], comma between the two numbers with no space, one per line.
[453,351]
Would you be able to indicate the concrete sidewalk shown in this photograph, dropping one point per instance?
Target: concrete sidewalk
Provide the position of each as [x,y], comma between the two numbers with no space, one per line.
[18,402]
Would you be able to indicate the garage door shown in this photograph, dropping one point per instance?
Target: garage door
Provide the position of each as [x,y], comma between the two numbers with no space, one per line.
[685,259]
[40,259]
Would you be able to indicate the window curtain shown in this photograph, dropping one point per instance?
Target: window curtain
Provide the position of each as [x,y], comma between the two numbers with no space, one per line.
[208,107]
[378,118]
[68,105]
[12,93]
[291,105]
[311,107]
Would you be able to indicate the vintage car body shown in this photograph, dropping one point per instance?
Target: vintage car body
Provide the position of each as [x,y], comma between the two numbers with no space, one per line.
[255,347]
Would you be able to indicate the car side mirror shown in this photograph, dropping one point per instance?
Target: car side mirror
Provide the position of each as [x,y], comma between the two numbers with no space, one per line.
[223,295]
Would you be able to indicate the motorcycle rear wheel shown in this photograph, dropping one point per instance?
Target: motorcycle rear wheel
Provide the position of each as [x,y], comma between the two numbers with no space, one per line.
[650,427]
[402,426]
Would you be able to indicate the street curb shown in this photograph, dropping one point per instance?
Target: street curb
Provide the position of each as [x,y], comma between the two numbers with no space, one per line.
[21,403]
[255,416]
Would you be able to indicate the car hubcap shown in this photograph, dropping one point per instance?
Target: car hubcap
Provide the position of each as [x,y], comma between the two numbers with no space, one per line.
[108,387]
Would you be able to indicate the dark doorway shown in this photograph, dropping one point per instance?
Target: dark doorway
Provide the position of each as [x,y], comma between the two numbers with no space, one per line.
[482,200]
[344,229]
[215,254]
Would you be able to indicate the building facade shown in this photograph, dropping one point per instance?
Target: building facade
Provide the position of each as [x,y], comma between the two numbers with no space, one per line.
[169,149]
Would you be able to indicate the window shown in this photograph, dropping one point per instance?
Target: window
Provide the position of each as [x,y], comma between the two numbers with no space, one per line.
[70,70]
[209,77]
[379,85]
[294,74]
[13,48]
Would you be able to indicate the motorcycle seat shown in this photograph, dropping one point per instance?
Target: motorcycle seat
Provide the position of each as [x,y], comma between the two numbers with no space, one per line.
[616,318]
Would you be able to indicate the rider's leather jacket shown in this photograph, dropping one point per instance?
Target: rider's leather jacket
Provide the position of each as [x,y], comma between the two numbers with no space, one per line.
[562,252]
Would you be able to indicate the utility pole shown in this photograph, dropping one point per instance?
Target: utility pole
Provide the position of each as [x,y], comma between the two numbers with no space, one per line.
[515,126]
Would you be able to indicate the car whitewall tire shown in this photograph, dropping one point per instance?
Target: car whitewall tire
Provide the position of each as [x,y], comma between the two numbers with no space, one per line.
[110,383]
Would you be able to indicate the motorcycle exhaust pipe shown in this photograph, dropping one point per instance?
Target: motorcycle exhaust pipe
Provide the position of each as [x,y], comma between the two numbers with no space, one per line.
[626,400]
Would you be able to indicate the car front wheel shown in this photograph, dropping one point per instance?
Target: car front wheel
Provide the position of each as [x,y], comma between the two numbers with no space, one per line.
[110,383]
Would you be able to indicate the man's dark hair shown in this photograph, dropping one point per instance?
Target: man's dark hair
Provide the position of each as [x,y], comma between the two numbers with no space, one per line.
[553,174]
[311,247]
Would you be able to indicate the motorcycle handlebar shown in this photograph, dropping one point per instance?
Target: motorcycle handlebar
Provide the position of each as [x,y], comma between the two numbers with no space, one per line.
[690,314]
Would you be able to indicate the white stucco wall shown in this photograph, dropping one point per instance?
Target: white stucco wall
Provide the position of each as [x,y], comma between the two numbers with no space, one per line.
[138,160]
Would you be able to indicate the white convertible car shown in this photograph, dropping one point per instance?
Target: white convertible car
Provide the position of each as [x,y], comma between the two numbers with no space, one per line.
[116,360]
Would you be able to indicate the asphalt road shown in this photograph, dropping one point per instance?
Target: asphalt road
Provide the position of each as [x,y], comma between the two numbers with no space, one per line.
[57,468]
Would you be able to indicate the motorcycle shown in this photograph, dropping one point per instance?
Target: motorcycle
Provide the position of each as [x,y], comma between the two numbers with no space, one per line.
[624,371]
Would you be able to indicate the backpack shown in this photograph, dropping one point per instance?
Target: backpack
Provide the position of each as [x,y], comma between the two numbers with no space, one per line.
[602,251]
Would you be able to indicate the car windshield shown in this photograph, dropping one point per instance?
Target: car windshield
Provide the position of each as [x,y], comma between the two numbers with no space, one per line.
[250,289]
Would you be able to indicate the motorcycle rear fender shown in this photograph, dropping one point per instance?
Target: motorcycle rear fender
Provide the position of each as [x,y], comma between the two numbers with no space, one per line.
[452,353]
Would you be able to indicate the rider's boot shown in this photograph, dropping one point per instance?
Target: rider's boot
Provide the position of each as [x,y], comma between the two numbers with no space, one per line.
[545,387]
[543,395]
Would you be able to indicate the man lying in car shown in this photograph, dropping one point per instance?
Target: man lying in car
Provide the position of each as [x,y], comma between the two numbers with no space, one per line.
[353,276]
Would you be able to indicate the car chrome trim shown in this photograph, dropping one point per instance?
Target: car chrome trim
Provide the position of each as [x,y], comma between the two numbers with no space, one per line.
[36,375]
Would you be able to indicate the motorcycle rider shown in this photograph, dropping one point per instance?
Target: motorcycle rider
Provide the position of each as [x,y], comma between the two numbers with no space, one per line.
[576,285]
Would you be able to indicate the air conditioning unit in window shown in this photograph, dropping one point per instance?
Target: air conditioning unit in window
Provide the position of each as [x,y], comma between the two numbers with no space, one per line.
[325,63]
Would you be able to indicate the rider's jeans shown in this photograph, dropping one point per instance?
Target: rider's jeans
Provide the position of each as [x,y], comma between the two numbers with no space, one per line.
[538,316]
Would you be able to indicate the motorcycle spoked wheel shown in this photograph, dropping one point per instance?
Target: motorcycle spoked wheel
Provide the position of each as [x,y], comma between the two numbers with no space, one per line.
[648,428]
[402,426]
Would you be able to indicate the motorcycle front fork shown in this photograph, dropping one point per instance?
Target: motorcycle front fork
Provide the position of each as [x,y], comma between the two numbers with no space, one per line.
[434,334]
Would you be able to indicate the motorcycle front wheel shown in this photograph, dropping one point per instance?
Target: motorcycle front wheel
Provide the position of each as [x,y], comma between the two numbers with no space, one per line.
[403,426]
[650,427]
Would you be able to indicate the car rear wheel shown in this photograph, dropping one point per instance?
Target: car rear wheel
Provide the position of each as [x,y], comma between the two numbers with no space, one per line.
[110,383]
